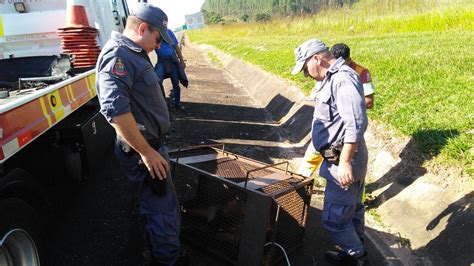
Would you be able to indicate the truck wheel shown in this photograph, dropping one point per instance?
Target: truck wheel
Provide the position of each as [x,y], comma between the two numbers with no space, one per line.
[18,233]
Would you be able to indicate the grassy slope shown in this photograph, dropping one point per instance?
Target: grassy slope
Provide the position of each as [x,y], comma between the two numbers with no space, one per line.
[421,59]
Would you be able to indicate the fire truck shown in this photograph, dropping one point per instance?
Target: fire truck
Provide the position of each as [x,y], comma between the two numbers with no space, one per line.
[51,132]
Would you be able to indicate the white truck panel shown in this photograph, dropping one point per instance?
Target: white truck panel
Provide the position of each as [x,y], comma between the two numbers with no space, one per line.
[34,33]
[24,36]
[28,23]
[6,6]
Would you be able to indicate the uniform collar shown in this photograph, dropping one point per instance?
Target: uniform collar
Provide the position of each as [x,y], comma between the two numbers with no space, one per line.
[332,69]
[336,65]
[126,41]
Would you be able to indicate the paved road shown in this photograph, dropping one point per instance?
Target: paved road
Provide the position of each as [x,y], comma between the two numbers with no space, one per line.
[95,227]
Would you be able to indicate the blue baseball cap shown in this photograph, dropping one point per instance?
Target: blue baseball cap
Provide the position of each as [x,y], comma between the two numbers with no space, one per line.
[305,51]
[155,17]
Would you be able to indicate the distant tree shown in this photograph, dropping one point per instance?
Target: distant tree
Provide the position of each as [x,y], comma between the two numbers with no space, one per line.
[263,17]
[251,8]
[293,6]
[212,17]
[245,18]
[206,16]
[306,10]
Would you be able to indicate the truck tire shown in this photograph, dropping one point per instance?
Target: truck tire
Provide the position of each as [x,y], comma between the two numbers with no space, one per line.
[19,233]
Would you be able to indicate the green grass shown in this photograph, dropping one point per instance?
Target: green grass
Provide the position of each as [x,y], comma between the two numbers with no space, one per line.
[376,216]
[420,57]
[215,60]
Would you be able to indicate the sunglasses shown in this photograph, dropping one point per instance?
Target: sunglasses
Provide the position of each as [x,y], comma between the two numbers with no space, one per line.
[158,38]
[154,30]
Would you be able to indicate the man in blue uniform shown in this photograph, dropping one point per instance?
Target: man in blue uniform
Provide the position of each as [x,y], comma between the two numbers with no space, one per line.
[168,64]
[132,101]
[339,123]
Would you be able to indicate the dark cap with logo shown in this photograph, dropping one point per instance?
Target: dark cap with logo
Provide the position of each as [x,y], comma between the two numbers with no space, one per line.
[155,17]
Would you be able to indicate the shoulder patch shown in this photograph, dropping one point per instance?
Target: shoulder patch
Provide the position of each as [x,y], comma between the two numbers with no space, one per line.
[119,68]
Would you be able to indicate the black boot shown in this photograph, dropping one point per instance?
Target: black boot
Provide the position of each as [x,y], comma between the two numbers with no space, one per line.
[339,258]
[344,259]
[183,259]
[362,260]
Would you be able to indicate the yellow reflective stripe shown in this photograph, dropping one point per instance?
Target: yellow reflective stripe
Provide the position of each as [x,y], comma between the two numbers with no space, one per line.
[1,26]
[68,95]
[90,80]
[58,108]
[45,112]
[88,86]
[71,93]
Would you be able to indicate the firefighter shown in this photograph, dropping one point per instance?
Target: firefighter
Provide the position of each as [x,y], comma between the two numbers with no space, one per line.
[133,102]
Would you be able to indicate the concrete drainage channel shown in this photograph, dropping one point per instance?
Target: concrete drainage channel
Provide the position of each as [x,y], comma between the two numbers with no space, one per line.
[292,113]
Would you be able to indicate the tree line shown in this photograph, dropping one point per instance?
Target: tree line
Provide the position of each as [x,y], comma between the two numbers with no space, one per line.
[257,10]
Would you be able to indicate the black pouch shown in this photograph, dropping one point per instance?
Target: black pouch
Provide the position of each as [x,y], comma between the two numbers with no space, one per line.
[158,186]
[332,154]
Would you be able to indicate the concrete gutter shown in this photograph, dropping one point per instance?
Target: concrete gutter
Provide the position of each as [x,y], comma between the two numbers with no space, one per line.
[290,109]
[284,101]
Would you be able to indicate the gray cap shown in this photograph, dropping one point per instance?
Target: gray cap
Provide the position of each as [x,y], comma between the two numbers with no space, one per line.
[155,16]
[305,51]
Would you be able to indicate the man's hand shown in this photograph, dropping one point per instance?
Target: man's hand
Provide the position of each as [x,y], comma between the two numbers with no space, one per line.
[156,164]
[344,174]
[180,56]
[369,101]
[344,171]
[126,126]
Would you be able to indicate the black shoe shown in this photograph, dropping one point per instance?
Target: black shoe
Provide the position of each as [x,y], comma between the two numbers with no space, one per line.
[362,260]
[184,259]
[339,258]
[179,108]
[342,258]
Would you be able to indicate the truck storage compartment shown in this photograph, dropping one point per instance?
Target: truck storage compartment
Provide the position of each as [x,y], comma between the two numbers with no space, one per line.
[236,207]
[88,128]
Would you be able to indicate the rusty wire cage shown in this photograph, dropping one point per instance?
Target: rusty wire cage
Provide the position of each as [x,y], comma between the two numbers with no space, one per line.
[236,207]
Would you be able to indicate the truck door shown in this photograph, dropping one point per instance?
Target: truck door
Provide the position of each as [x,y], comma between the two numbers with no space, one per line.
[121,11]
[107,16]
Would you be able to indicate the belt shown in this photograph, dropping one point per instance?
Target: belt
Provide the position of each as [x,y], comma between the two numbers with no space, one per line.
[156,143]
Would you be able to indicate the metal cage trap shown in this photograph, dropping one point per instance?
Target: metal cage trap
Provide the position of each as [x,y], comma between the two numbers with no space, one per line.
[238,208]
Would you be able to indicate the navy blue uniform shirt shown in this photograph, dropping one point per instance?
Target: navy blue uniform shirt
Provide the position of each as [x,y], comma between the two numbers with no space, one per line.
[126,82]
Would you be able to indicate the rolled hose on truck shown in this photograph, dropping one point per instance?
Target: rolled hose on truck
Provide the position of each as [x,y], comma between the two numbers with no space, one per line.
[19,233]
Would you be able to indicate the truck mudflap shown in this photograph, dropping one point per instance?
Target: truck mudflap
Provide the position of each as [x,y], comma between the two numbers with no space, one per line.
[23,118]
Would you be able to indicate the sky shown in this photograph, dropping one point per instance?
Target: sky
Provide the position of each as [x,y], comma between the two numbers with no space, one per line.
[175,9]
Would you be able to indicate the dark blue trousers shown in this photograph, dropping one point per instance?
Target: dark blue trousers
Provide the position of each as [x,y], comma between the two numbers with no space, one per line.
[345,222]
[159,209]
[171,68]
